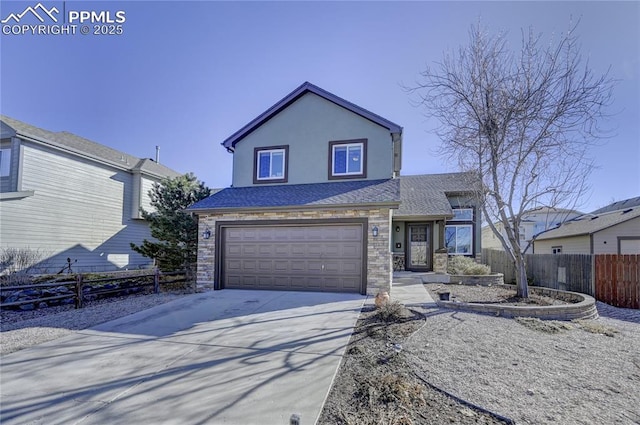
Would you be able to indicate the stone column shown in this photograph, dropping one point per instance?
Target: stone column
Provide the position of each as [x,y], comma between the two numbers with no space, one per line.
[440,261]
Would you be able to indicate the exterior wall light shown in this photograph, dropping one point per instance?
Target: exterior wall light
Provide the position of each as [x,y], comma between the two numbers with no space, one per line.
[206,234]
[374,231]
[397,229]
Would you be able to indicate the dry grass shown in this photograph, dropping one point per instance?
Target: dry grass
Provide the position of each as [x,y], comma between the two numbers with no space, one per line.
[376,384]
[596,328]
[546,326]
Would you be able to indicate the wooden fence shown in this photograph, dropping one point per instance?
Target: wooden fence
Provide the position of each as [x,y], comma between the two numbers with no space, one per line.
[567,272]
[613,279]
[617,280]
[500,262]
[77,288]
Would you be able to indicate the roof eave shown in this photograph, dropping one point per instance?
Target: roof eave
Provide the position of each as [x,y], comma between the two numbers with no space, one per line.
[369,205]
[427,217]
[58,146]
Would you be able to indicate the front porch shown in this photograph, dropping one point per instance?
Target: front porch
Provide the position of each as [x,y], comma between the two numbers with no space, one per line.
[414,243]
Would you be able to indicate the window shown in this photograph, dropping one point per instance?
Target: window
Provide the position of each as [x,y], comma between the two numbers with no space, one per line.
[270,164]
[556,250]
[348,159]
[459,239]
[5,162]
[462,214]
[628,245]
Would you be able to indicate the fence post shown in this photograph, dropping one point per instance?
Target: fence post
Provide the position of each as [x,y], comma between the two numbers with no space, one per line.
[156,281]
[79,291]
[190,275]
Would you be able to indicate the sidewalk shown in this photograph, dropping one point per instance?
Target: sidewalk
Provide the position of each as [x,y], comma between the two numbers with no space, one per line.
[409,290]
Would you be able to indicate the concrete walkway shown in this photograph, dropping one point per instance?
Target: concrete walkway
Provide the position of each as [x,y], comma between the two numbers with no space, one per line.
[224,357]
[408,289]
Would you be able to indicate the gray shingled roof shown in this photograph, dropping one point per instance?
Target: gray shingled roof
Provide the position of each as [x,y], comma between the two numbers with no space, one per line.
[619,205]
[84,147]
[304,88]
[426,195]
[361,192]
[590,223]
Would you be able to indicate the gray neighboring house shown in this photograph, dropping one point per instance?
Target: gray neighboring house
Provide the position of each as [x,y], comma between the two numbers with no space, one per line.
[317,203]
[69,197]
[614,229]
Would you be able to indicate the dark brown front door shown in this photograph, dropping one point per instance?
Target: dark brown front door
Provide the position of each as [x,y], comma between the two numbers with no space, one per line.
[418,247]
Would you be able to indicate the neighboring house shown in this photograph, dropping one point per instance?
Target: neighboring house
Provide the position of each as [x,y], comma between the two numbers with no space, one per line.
[619,205]
[317,203]
[69,197]
[534,222]
[608,232]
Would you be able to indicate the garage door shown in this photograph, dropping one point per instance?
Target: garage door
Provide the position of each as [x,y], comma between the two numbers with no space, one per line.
[325,258]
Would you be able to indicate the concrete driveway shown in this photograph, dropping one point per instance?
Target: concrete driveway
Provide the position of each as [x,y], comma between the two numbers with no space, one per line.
[224,357]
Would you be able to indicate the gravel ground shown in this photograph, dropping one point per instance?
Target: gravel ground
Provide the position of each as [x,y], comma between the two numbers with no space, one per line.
[24,329]
[535,372]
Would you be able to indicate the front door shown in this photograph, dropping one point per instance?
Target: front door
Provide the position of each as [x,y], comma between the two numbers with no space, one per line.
[418,247]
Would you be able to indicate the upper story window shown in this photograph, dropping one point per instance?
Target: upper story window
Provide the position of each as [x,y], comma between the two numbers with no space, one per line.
[348,159]
[5,162]
[462,214]
[270,164]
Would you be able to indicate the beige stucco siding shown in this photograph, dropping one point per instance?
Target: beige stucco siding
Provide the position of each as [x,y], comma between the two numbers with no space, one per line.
[570,245]
[606,241]
[80,209]
[378,256]
[307,126]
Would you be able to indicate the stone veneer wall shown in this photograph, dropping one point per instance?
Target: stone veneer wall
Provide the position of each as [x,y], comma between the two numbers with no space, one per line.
[379,267]
[440,261]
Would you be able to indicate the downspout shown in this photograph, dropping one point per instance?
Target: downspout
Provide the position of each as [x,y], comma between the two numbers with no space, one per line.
[396,140]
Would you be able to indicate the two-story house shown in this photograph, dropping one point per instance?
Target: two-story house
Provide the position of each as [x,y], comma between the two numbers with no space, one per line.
[534,222]
[317,203]
[65,197]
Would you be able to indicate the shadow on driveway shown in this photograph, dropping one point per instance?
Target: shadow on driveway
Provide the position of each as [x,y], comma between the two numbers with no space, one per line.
[226,356]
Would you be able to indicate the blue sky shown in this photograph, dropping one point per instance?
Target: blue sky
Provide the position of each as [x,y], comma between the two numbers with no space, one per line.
[186,75]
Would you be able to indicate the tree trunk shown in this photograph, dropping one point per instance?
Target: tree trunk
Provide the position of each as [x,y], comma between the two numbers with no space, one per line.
[522,288]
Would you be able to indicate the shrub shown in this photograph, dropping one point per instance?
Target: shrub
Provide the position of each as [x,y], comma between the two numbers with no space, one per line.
[18,264]
[391,311]
[466,266]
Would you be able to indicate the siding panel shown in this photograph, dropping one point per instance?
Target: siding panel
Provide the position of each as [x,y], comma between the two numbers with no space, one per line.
[606,241]
[571,245]
[80,210]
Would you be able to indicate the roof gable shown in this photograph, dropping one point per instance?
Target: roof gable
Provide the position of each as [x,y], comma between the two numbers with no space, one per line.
[305,88]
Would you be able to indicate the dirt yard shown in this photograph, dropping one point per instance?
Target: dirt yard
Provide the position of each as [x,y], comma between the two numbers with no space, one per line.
[420,365]
[377,385]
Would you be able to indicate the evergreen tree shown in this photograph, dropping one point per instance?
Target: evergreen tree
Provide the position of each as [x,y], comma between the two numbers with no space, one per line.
[175,230]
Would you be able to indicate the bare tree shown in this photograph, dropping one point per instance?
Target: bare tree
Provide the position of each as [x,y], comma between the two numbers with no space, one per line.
[521,120]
